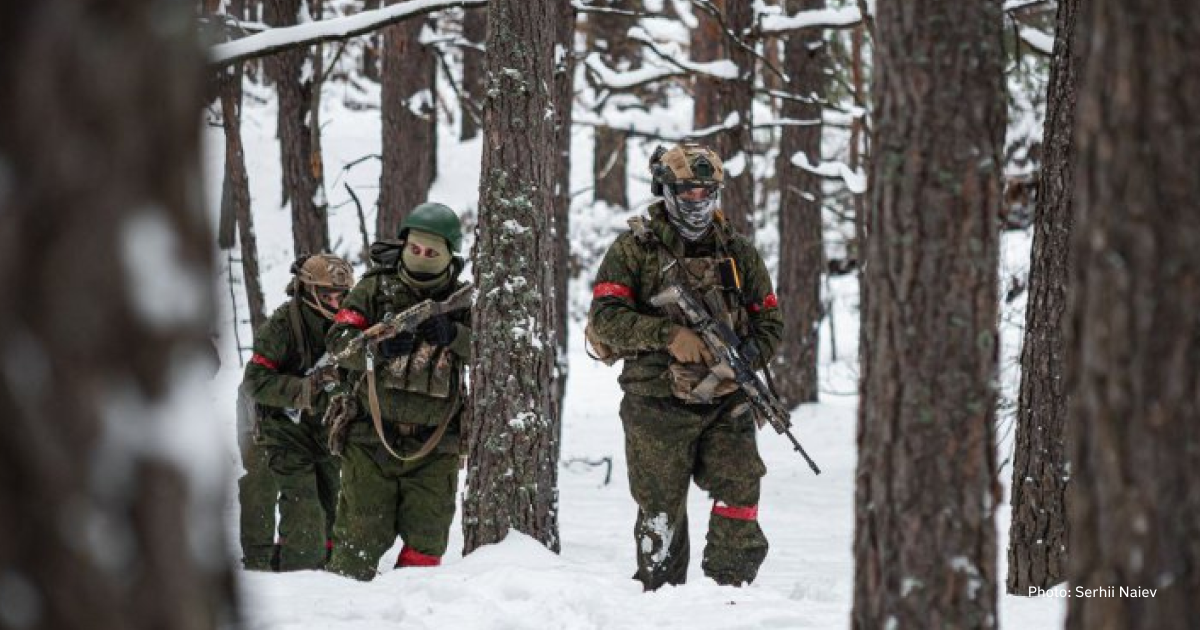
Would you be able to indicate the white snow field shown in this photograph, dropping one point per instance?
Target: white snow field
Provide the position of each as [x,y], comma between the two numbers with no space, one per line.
[807,579]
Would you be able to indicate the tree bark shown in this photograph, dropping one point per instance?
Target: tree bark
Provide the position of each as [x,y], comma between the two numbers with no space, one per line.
[371,46]
[716,101]
[926,491]
[564,98]
[1037,547]
[801,250]
[303,176]
[512,474]
[607,33]
[105,250]
[474,31]
[1133,339]
[236,191]
[409,125]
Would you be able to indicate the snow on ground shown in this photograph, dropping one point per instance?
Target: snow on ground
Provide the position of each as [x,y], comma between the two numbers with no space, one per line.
[807,579]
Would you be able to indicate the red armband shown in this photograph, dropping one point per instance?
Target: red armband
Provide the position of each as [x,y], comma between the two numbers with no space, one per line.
[612,289]
[264,361]
[351,317]
[768,302]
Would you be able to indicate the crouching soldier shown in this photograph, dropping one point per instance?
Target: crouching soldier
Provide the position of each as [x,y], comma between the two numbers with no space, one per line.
[400,450]
[292,404]
[679,424]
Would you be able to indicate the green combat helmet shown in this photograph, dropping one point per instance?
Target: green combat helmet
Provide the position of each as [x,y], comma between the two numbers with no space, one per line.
[435,218]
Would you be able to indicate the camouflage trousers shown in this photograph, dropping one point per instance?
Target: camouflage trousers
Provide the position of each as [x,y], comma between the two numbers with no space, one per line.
[308,480]
[256,498]
[667,445]
[383,497]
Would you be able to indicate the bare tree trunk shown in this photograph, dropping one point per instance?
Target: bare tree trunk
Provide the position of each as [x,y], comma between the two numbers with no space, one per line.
[925,548]
[512,480]
[409,125]
[474,31]
[607,33]
[1133,339]
[801,251]
[371,57]
[236,191]
[857,136]
[105,250]
[302,168]
[1037,547]
[716,101]
[564,98]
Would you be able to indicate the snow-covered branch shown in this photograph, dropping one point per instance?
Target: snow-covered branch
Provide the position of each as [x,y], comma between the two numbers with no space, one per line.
[722,69]
[1037,40]
[606,77]
[774,24]
[856,180]
[278,39]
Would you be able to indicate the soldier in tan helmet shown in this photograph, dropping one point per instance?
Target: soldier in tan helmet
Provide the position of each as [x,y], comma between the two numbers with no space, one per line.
[291,398]
[675,433]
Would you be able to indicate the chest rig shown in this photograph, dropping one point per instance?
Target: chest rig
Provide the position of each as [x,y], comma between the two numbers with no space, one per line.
[714,278]
[428,369]
[716,281]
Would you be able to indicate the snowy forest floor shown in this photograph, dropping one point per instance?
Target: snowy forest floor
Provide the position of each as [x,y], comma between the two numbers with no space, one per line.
[807,580]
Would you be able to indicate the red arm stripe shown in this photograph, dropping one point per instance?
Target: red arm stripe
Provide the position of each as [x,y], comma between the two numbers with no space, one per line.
[351,317]
[264,361]
[612,289]
[768,302]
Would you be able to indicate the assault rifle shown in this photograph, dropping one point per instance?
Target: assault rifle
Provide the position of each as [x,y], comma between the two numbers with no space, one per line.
[393,324]
[723,343]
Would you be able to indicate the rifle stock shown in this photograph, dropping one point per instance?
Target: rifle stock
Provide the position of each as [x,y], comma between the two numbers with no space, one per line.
[723,343]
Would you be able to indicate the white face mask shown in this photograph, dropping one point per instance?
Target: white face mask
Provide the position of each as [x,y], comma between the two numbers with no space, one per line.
[692,219]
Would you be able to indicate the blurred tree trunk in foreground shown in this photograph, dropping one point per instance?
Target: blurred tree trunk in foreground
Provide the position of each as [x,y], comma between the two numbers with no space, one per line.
[1133,340]
[112,505]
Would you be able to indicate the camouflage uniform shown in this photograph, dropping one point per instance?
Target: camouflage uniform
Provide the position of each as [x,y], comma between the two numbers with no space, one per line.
[669,441]
[304,470]
[257,493]
[383,497]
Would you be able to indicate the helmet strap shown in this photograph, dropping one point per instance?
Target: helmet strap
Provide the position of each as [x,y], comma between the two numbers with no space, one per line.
[316,304]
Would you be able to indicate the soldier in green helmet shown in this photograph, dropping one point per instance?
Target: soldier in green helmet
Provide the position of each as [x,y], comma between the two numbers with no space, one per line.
[292,397]
[672,436]
[418,396]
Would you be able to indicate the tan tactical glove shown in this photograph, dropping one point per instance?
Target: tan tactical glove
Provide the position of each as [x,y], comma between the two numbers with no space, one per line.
[687,347]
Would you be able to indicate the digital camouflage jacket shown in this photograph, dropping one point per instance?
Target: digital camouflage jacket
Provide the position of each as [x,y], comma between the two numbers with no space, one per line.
[419,388]
[635,270]
[275,376]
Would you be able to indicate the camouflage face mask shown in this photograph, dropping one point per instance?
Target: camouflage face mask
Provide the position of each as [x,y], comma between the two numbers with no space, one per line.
[692,219]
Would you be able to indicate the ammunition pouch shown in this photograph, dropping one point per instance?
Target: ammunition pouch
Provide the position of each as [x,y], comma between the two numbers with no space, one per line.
[428,370]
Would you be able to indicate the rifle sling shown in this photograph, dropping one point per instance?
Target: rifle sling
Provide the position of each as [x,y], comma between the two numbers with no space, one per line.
[377,420]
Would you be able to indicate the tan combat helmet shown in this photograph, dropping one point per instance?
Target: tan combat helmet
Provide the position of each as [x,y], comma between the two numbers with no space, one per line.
[686,163]
[323,273]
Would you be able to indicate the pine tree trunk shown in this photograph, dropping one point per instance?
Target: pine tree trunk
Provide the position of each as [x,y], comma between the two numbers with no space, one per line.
[409,125]
[925,548]
[302,175]
[105,254]
[371,47]
[801,252]
[1037,547]
[717,100]
[608,34]
[474,31]
[237,191]
[1133,338]
[512,474]
[564,98]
